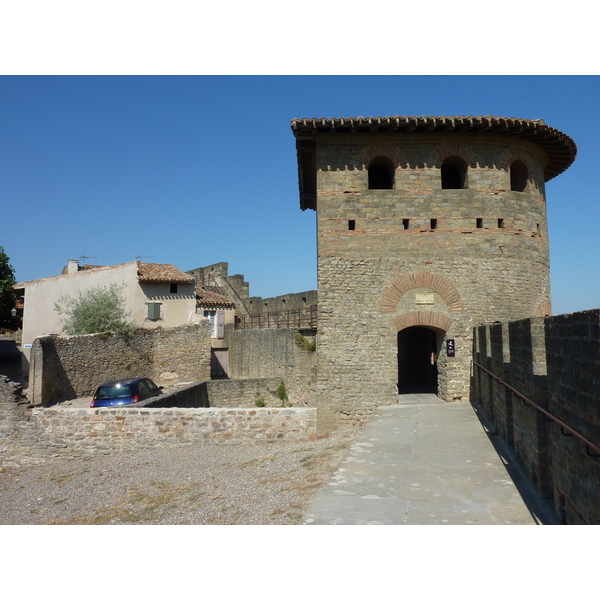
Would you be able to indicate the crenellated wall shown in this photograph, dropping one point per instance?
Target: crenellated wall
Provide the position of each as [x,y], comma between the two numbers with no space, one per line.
[555,363]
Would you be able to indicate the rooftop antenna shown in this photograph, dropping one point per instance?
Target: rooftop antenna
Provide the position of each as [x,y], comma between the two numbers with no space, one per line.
[81,257]
[139,256]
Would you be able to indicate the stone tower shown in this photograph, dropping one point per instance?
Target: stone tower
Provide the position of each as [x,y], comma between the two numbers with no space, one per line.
[426,226]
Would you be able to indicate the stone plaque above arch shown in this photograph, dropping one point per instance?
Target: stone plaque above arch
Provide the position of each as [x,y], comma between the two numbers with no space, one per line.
[444,151]
[420,318]
[366,155]
[420,279]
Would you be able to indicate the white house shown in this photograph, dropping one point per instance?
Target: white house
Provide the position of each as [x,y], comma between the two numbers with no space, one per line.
[156,295]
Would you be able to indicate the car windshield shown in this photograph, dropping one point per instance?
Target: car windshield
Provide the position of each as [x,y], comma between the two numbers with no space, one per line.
[113,391]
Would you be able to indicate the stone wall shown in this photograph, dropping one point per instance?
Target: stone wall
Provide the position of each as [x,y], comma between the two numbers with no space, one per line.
[573,362]
[52,432]
[91,431]
[555,363]
[245,393]
[30,436]
[276,353]
[73,366]
[17,434]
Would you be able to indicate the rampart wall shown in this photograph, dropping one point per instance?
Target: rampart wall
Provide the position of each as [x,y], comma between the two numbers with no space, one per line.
[555,363]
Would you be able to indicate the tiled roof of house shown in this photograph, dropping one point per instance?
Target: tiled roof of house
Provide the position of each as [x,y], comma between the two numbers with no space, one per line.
[209,298]
[561,149]
[159,273]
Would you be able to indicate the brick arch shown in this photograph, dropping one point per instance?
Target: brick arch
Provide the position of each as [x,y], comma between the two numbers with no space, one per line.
[420,279]
[366,155]
[511,154]
[422,318]
[544,309]
[442,152]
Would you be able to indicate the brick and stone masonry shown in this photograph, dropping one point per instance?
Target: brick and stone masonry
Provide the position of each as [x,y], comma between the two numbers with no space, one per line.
[426,227]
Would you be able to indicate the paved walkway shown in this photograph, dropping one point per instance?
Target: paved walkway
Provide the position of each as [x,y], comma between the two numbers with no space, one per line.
[425,462]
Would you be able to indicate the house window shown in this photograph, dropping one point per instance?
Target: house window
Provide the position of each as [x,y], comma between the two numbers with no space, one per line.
[154,311]
[211,315]
[173,288]
[454,173]
[217,323]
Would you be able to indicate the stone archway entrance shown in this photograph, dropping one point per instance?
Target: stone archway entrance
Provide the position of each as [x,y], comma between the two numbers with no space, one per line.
[418,351]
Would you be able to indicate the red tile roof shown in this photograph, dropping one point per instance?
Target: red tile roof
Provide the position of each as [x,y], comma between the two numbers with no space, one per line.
[209,298]
[561,149]
[159,273]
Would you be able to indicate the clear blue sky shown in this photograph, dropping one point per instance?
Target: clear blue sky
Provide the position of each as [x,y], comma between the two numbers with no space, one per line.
[195,170]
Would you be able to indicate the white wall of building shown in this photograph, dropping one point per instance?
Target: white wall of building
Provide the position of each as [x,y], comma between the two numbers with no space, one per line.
[41,318]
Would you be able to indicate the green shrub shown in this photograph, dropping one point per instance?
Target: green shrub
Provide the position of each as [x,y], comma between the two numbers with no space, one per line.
[308,343]
[281,393]
[96,310]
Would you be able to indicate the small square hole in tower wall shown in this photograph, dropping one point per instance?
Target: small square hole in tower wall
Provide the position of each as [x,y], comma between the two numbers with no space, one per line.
[500,223]
[405,223]
[433,223]
[479,223]
[351,225]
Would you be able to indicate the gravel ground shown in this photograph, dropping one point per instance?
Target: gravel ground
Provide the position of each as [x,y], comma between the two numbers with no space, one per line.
[264,484]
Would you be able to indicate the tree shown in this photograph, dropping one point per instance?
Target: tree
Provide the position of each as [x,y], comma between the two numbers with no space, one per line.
[95,310]
[7,294]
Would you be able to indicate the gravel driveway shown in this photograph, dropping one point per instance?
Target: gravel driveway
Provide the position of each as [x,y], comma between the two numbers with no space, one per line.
[264,484]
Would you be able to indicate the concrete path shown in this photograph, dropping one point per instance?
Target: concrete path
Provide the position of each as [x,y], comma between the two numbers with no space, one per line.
[427,462]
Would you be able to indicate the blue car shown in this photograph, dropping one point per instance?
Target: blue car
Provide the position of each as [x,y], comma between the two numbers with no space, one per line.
[124,391]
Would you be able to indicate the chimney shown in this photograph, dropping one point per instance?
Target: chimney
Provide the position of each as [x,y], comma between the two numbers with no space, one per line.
[73,265]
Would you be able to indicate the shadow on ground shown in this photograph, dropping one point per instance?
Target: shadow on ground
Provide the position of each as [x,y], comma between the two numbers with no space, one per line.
[541,509]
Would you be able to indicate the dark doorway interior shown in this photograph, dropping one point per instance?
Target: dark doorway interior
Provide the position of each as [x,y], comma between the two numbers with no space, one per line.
[417,361]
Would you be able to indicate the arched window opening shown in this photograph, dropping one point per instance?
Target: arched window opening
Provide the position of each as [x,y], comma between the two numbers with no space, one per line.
[518,176]
[454,173]
[381,174]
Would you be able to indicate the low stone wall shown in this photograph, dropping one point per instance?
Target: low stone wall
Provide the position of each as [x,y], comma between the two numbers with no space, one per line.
[64,367]
[555,363]
[244,393]
[72,431]
[30,436]
[221,393]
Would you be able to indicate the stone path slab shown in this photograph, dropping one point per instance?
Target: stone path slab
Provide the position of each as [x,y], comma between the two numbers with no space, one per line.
[427,462]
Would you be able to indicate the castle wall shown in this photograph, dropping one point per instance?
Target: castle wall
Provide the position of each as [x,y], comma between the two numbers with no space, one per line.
[555,363]
[486,258]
